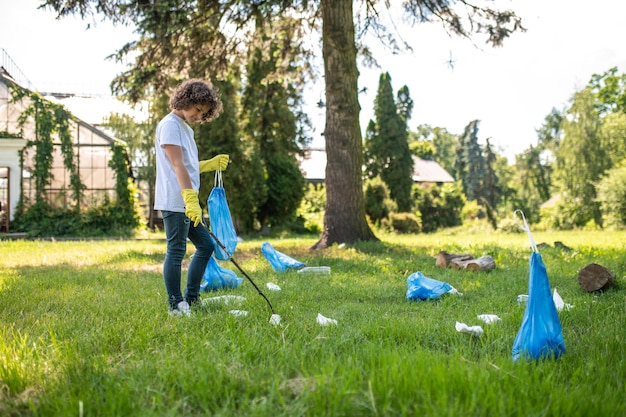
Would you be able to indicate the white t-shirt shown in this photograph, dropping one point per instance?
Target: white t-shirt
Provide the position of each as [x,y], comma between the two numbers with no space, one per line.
[172,130]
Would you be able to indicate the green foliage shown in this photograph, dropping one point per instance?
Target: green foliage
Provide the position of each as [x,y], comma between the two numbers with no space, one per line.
[404,222]
[270,102]
[51,120]
[378,205]
[444,145]
[106,219]
[470,163]
[40,218]
[312,208]
[612,197]
[139,139]
[422,148]
[286,188]
[472,211]
[439,206]
[581,160]
[609,89]
[386,144]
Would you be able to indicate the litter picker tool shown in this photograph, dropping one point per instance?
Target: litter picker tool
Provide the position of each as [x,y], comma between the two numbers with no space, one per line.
[230,258]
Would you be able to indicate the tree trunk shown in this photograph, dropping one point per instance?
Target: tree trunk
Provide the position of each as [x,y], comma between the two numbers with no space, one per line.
[595,277]
[484,263]
[344,219]
[444,258]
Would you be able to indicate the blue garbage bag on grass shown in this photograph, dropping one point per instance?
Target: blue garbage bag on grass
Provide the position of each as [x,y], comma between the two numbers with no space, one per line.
[216,278]
[220,220]
[279,261]
[540,335]
[420,287]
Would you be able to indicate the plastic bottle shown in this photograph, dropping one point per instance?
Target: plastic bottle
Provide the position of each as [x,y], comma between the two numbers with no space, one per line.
[325,270]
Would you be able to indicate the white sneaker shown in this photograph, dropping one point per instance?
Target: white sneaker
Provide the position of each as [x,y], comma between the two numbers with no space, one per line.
[182,309]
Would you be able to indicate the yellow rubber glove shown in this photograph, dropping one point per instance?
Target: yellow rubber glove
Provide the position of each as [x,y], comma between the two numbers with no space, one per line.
[192,206]
[219,162]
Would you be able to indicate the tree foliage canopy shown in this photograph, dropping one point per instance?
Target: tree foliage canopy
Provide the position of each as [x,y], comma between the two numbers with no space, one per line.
[203,38]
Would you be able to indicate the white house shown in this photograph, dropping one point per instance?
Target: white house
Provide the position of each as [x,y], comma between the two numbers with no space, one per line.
[313,167]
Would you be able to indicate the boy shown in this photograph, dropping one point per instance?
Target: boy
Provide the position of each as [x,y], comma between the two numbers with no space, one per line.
[177,183]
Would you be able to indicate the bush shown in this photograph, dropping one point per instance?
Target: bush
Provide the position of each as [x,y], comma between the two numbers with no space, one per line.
[404,222]
[439,206]
[312,208]
[378,205]
[612,198]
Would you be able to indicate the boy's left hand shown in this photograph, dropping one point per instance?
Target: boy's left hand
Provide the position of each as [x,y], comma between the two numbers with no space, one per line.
[217,163]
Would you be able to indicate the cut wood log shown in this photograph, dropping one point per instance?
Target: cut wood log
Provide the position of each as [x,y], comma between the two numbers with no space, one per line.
[484,263]
[595,277]
[444,258]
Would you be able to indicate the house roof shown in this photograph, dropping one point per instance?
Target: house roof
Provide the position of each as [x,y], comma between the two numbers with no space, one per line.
[427,170]
[313,167]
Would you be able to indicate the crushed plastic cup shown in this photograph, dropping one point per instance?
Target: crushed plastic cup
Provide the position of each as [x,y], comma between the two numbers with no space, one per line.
[225,299]
[322,270]
[325,321]
[275,319]
[238,313]
[273,287]
[488,318]
[522,299]
[464,328]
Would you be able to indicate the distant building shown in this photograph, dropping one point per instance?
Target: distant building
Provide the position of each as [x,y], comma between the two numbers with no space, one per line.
[313,167]
[92,149]
[429,171]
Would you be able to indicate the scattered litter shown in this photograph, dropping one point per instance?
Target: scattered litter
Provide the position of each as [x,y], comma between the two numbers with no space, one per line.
[226,299]
[216,277]
[559,303]
[272,286]
[279,261]
[420,287]
[522,299]
[325,321]
[454,291]
[473,330]
[315,270]
[489,318]
[238,313]
[541,335]
[275,319]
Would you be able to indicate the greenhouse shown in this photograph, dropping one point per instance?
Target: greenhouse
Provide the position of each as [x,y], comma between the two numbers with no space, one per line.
[86,150]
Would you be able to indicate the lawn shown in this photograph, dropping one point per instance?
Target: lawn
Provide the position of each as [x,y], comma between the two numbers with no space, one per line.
[84,330]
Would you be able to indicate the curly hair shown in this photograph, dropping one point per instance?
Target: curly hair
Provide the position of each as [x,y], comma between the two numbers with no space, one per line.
[196,91]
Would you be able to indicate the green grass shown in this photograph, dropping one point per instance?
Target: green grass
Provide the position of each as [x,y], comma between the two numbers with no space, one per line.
[84,327]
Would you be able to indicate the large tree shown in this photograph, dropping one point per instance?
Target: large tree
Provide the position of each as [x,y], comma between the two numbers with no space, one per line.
[177,33]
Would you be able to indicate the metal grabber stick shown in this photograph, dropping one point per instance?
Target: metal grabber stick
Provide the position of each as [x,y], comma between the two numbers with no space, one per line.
[230,258]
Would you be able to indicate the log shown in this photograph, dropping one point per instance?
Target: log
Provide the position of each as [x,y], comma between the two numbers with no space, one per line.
[563,247]
[484,263]
[595,277]
[444,258]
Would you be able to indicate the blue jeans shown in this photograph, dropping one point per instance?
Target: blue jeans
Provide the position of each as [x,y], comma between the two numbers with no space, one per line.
[178,228]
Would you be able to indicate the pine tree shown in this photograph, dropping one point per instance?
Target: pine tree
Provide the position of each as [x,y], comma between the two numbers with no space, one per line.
[387,143]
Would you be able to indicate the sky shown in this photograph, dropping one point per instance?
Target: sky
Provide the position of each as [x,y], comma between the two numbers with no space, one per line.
[510,89]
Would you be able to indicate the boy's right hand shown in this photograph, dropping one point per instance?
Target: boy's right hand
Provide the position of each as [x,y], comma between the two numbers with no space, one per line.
[192,206]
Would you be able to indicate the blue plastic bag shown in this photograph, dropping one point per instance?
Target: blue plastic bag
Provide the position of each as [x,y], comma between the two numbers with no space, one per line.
[279,261]
[420,287]
[215,277]
[541,334]
[221,222]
